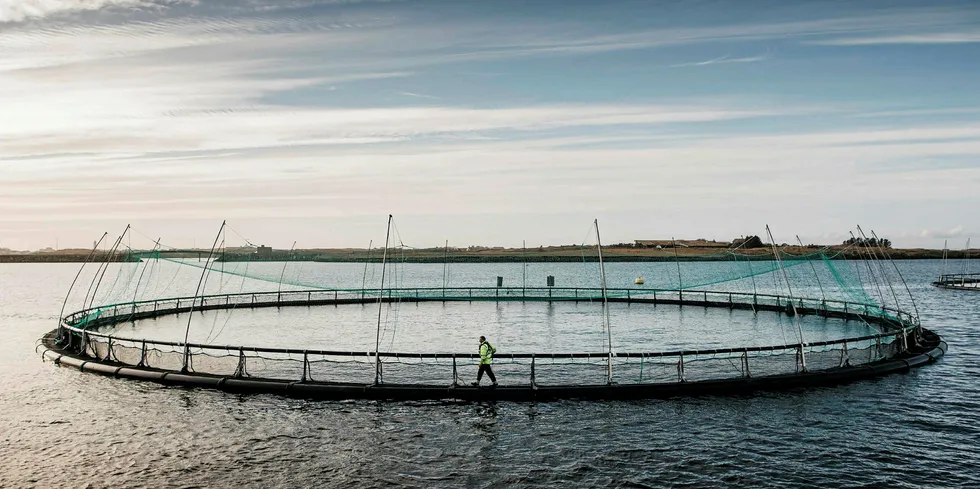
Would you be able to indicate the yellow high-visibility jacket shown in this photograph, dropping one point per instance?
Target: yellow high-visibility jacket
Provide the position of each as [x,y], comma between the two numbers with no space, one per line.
[486,353]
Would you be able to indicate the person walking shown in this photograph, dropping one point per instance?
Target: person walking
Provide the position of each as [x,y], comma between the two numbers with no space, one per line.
[486,358]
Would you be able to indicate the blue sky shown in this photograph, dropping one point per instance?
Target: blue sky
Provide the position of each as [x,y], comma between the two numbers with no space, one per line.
[488,122]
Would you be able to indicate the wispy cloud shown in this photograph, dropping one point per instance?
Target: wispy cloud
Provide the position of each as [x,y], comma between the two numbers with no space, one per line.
[920,38]
[19,10]
[721,60]
[419,95]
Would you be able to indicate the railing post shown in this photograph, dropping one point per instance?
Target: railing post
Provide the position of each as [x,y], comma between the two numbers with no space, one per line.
[680,368]
[108,350]
[800,359]
[455,373]
[241,370]
[142,362]
[845,359]
[534,383]
[745,364]
[306,367]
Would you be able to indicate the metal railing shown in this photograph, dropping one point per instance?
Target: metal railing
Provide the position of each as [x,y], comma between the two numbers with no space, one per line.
[79,332]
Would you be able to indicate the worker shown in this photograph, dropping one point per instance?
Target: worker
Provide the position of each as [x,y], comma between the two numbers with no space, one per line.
[486,358]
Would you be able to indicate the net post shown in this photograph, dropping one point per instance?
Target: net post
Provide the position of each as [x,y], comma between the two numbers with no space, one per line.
[800,359]
[455,372]
[108,350]
[306,367]
[142,362]
[745,363]
[680,368]
[845,360]
[877,347]
[534,383]
[241,370]
[83,346]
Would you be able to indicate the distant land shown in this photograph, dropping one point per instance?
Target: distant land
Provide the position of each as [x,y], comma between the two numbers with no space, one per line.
[640,251]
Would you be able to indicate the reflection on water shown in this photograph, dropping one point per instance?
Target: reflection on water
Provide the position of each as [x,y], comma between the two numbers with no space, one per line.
[60,427]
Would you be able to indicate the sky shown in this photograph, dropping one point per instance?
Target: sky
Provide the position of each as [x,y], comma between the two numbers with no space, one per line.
[487,122]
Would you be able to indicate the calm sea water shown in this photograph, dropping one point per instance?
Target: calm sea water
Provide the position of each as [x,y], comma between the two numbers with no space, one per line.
[61,427]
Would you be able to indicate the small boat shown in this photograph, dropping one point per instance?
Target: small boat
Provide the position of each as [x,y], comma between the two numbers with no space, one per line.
[639,281]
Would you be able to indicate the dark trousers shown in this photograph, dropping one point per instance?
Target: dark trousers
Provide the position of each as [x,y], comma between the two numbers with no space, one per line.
[488,370]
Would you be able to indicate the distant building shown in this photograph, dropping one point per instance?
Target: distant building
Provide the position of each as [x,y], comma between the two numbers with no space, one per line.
[263,252]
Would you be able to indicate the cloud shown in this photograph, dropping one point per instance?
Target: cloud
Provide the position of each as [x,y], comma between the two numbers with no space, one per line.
[721,60]
[923,38]
[956,232]
[19,10]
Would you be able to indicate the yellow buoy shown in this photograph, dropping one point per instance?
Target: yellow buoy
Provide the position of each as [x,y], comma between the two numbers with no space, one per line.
[640,281]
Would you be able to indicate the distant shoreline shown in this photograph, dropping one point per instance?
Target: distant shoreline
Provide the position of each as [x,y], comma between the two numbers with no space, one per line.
[556,254]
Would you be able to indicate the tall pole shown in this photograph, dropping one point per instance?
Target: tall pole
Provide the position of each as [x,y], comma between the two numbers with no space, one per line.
[881,268]
[366,261]
[966,259]
[942,274]
[105,267]
[381,290]
[680,285]
[64,304]
[156,246]
[445,269]
[867,261]
[605,306]
[190,313]
[792,300]
[524,269]
[283,272]
[899,272]
[822,295]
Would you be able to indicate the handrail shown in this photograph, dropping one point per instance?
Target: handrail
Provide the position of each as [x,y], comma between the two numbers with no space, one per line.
[392,293]
[129,309]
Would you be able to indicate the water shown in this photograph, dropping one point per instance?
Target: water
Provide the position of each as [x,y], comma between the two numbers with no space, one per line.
[61,427]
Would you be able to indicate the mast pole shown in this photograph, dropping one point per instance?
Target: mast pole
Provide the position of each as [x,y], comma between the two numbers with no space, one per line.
[366,261]
[381,290]
[822,295]
[283,272]
[792,300]
[680,285]
[899,272]
[97,279]
[881,267]
[190,314]
[942,273]
[524,269]
[64,304]
[605,306]
[445,269]
[156,246]
[966,260]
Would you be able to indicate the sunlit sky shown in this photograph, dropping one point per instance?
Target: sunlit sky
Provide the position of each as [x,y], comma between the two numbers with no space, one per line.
[483,122]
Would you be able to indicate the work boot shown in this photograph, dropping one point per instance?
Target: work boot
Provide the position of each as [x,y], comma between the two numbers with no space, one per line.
[475,384]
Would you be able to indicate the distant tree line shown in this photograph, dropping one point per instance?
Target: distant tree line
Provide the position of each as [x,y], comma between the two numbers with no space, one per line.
[869,242]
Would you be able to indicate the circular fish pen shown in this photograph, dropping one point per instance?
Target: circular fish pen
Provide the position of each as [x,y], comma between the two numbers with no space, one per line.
[729,323]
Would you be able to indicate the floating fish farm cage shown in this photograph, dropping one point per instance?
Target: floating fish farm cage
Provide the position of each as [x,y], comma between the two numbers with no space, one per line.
[400,323]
